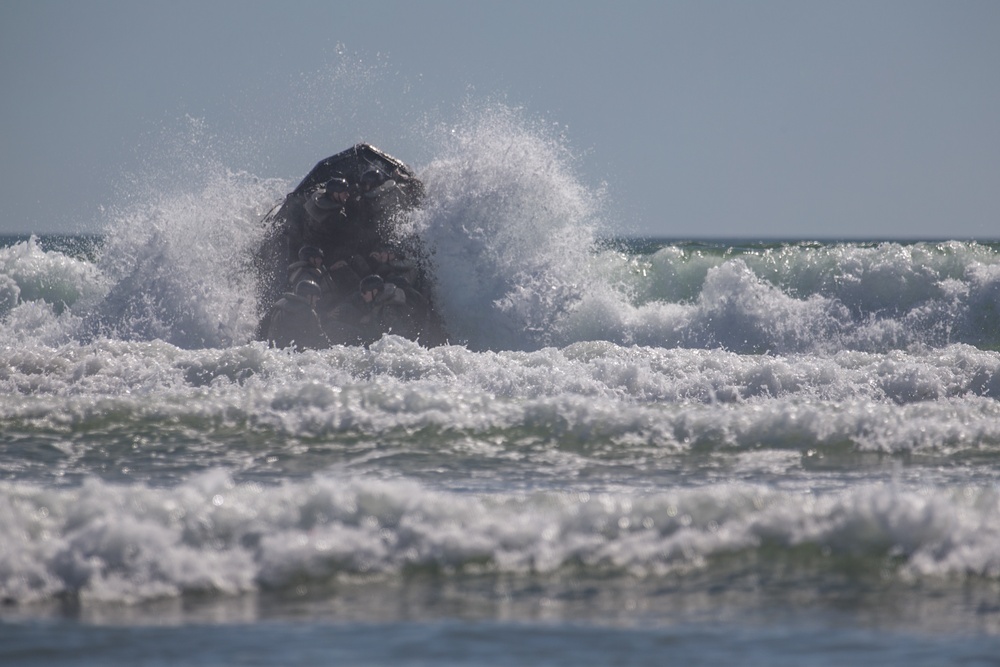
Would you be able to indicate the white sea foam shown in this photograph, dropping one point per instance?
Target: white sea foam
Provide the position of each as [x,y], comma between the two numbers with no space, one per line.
[126,543]
[592,393]
[31,274]
[39,289]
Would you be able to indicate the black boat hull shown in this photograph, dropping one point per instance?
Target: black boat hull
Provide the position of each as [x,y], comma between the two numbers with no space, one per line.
[287,229]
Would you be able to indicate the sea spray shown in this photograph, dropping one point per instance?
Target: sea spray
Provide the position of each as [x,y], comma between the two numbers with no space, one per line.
[510,230]
[181,265]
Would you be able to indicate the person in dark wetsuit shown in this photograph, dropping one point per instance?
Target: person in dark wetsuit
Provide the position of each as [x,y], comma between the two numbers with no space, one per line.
[294,321]
[335,285]
[388,262]
[340,221]
[326,223]
[377,308]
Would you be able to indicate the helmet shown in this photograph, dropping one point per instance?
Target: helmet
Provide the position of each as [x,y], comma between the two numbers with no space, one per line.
[322,197]
[372,283]
[336,184]
[307,252]
[372,179]
[307,288]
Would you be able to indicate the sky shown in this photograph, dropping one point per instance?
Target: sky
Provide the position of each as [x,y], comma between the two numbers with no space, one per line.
[699,119]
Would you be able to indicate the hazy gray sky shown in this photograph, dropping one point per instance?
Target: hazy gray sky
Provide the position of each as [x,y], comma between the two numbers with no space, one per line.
[752,119]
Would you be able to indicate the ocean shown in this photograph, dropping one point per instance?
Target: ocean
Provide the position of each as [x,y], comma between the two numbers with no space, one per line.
[634,451]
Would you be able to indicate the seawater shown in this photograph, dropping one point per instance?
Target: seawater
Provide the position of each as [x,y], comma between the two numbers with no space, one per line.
[634,451]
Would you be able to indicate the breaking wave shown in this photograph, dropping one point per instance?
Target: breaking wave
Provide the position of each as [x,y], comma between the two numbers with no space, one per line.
[108,542]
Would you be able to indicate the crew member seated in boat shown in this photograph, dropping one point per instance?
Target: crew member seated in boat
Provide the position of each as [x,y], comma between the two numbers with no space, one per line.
[377,308]
[388,262]
[361,209]
[294,321]
[335,285]
[375,182]
[380,198]
[371,179]
[327,203]
[310,267]
[326,223]
[339,222]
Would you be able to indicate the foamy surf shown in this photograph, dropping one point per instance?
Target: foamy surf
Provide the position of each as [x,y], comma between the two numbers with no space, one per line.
[127,543]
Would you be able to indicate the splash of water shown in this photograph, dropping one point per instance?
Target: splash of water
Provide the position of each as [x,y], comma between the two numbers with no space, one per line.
[510,230]
[178,251]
